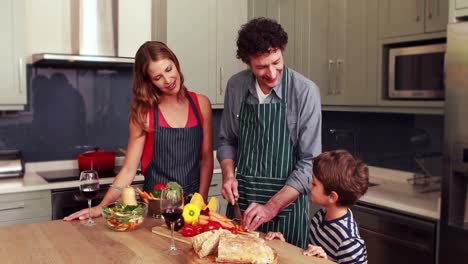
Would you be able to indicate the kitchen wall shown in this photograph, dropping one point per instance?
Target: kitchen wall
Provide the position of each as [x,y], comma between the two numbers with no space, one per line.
[71,110]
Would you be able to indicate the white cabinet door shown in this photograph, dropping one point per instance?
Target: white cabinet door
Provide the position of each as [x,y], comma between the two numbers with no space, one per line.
[341,50]
[437,12]
[202,34]
[411,17]
[230,16]
[134,26]
[401,17]
[13,93]
[353,53]
[49,26]
[25,207]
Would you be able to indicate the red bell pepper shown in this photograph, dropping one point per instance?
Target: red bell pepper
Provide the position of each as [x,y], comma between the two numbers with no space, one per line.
[190,230]
[212,225]
[159,186]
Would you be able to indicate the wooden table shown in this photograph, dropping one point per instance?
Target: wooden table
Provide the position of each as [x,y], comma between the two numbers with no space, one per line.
[71,242]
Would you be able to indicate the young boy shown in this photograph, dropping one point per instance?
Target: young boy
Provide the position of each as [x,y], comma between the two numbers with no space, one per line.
[338,181]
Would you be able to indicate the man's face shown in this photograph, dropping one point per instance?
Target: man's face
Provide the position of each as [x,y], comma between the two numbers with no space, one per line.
[268,68]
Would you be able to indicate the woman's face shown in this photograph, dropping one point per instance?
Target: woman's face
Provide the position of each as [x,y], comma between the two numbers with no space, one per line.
[164,75]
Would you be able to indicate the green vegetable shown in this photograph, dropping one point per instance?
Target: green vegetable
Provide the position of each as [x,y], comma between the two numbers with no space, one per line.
[173,185]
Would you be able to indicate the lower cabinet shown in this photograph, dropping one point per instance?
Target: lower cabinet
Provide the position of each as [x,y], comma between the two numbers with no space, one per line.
[394,237]
[25,207]
[215,191]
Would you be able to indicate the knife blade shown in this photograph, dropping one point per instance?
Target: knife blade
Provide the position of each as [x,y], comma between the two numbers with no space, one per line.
[237,211]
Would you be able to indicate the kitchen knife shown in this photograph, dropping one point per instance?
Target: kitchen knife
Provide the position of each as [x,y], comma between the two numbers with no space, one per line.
[237,212]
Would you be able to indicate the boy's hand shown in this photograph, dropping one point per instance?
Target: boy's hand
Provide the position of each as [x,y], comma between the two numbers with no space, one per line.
[273,235]
[314,251]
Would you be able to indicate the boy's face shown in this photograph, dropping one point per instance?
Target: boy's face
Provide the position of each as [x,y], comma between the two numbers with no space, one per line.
[317,193]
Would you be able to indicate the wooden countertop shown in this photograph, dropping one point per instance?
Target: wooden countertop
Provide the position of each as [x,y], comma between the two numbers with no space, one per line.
[71,242]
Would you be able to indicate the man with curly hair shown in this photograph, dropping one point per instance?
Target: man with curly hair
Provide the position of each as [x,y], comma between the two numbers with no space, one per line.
[270,131]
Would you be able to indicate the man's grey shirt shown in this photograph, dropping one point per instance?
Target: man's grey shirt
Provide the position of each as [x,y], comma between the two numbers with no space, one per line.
[303,115]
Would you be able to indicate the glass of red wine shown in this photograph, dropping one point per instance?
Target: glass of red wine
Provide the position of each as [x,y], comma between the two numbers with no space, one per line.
[172,202]
[89,187]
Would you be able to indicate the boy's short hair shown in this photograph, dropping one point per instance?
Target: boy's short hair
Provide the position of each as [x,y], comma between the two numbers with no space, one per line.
[339,171]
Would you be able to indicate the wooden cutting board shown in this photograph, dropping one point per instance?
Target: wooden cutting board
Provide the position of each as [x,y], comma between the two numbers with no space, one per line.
[165,232]
[285,252]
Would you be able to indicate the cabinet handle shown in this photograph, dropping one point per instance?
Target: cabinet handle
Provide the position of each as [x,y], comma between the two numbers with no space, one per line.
[213,185]
[330,69]
[220,80]
[417,10]
[12,207]
[20,75]
[339,62]
[429,8]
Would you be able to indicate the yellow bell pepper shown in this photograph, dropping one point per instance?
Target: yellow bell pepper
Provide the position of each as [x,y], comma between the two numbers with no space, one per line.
[198,200]
[191,213]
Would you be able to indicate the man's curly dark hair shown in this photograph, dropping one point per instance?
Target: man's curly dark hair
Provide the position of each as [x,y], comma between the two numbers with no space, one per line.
[259,36]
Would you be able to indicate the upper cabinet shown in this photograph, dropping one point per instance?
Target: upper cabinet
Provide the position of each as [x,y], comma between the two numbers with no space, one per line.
[204,41]
[134,26]
[342,49]
[412,17]
[13,93]
[331,42]
[458,9]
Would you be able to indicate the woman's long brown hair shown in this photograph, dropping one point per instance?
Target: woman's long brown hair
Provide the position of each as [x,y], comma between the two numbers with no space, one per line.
[145,95]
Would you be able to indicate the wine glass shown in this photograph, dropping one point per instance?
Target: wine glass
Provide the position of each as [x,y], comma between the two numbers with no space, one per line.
[89,186]
[172,202]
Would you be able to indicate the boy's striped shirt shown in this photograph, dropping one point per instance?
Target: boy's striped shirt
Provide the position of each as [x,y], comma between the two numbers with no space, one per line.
[339,238]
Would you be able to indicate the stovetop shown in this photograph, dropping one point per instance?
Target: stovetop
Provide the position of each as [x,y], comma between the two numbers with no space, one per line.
[71,175]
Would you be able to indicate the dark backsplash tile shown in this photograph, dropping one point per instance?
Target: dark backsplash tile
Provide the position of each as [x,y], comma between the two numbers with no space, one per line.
[75,109]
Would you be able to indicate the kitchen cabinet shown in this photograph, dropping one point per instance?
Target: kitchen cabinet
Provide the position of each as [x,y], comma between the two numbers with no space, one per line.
[412,17]
[342,49]
[13,92]
[203,36]
[215,191]
[50,18]
[134,26]
[331,42]
[393,237]
[457,10]
[25,207]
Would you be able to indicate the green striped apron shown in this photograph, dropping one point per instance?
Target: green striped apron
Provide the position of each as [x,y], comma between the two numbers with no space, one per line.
[266,157]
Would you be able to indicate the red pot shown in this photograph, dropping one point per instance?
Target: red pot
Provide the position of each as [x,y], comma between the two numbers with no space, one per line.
[98,160]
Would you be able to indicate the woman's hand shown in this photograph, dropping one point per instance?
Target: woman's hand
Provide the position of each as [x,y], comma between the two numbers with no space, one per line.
[315,251]
[84,213]
[273,235]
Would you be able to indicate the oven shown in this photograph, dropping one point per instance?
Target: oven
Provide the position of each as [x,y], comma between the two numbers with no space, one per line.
[70,200]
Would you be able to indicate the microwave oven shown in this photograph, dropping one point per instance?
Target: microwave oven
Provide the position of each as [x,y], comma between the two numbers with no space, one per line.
[416,72]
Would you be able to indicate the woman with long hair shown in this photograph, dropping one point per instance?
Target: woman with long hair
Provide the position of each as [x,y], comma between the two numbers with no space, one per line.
[170,129]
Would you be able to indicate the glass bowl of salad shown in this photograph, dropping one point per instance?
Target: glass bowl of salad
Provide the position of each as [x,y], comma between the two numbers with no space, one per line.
[120,217]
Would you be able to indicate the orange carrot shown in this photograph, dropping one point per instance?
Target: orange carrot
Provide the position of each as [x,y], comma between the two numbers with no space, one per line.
[218,215]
